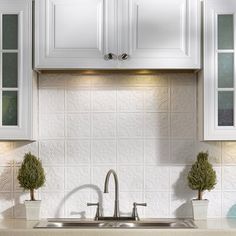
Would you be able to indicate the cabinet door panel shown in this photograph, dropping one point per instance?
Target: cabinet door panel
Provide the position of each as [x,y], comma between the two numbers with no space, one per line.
[75,27]
[156,30]
[160,33]
[70,29]
[74,33]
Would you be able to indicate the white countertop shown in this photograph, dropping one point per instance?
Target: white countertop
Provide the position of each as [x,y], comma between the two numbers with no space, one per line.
[216,227]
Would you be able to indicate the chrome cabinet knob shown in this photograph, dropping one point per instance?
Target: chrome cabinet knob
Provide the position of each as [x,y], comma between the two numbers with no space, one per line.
[123,57]
[110,56]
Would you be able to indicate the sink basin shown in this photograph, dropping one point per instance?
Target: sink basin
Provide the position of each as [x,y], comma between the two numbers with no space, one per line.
[153,224]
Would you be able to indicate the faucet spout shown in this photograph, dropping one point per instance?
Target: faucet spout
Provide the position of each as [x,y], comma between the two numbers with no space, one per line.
[116,209]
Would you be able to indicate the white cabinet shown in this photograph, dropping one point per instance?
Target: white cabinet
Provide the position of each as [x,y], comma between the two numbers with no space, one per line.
[160,33]
[128,34]
[74,33]
[16,84]
[219,75]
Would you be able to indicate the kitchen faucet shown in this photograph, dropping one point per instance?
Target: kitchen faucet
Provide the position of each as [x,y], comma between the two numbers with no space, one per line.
[116,209]
[116,215]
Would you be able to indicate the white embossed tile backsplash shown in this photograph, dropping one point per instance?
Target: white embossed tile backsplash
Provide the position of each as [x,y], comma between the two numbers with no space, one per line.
[143,126]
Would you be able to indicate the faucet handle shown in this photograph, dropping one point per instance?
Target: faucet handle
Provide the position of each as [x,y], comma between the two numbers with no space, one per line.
[140,204]
[98,209]
[93,204]
[135,210]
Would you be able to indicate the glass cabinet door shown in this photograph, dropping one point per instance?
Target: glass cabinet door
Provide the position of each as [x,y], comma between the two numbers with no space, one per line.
[9,82]
[225,73]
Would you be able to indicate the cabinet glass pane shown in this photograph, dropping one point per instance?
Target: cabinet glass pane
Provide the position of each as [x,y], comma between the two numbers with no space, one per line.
[9,108]
[10,31]
[225,70]
[226,108]
[225,32]
[9,70]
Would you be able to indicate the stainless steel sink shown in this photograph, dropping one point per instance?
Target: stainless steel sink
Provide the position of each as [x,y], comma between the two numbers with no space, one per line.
[153,224]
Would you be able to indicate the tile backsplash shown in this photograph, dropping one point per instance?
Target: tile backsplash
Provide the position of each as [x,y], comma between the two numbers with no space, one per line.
[143,126]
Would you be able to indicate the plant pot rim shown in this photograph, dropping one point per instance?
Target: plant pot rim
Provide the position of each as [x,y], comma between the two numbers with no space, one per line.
[200,200]
[32,200]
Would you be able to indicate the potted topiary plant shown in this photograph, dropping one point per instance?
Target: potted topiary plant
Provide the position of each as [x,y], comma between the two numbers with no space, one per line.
[201,177]
[31,177]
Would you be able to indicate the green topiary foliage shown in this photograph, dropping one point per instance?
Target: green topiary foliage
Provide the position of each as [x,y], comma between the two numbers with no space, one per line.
[31,174]
[201,177]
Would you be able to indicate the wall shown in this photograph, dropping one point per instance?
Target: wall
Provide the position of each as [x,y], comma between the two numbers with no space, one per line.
[143,126]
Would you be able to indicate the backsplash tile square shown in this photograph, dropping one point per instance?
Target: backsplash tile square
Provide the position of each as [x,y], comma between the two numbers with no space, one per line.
[55,179]
[156,125]
[158,204]
[157,178]
[142,126]
[78,151]
[157,151]
[131,178]
[51,126]
[104,100]
[183,125]
[183,99]
[104,125]
[52,152]
[130,99]
[54,98]
[156,99]
[78,125]
[78,100]
[103,151]
[130,125]
[76,176]
[6,179]
[130,151]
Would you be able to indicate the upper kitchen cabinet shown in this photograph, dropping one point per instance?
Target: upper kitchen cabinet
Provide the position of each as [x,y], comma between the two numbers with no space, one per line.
[16,95]
[219,74]
[113,34]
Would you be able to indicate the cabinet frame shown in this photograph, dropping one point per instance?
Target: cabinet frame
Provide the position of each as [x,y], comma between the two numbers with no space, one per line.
[118,38]
[25,130]
[208,79]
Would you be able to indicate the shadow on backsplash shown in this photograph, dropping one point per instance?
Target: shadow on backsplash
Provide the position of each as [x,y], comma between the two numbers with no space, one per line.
[81,214]
[11,204]
[183,194]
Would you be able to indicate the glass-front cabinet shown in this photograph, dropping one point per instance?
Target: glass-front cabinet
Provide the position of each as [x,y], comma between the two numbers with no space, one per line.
[219,74]
[16,91]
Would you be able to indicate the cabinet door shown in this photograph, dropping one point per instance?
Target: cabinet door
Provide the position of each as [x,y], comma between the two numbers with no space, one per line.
[219,70]
[160,34]
[15,67]
[74,33]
